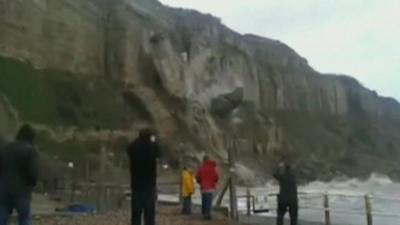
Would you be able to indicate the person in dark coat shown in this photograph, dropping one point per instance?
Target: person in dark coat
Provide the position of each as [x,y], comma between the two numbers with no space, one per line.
[18,176]
[287,198]
[143,154]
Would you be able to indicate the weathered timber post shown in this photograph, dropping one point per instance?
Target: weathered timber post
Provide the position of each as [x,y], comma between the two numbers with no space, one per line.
[248,202]
[368,209]
[222,193]
[181,167]
[327,210]
[232,186]
[101,183]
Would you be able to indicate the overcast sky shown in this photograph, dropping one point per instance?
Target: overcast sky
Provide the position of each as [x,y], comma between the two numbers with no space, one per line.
[360,38]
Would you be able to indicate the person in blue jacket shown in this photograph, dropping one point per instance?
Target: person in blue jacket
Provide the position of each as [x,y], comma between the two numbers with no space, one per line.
[18,176]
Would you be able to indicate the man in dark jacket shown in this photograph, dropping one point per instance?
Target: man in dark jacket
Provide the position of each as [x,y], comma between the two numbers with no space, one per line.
[143,154]
[287,199]
[207,176]
[18,176]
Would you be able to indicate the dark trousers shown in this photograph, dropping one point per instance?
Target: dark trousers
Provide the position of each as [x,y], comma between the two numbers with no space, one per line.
[143,203]
[206,204]
[21,204]
[283,207]
[187,205]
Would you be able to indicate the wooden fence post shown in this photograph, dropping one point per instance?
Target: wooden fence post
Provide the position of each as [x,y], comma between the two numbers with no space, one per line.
[327,210]
[181,167]
[73,188]
[232,186]
[368,209]
[87,192]
[87,170]
[222,193]
[248,201]
[101,182]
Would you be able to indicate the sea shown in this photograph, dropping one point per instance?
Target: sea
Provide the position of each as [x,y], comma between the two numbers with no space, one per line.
[346,199]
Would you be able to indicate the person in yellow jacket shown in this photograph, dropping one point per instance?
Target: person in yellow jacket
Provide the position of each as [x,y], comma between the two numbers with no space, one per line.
[187,191]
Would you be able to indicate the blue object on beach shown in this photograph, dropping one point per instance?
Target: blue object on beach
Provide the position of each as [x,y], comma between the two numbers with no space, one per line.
[81,208]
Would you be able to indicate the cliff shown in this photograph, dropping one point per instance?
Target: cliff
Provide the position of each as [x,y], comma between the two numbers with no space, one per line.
[117,65]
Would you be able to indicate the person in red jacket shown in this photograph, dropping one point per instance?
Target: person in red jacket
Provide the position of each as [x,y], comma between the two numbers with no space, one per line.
[207,177]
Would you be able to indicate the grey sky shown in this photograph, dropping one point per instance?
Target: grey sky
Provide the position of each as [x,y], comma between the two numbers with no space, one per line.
[360,38]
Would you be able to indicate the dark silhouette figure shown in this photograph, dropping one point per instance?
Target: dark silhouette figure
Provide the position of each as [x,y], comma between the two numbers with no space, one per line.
[287,198]
[143,154]
[18,176]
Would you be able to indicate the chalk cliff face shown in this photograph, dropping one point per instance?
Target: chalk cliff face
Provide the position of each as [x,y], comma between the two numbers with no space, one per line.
[194,79]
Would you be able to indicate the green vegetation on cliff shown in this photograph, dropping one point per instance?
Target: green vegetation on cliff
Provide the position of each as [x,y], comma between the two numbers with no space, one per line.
[59,98]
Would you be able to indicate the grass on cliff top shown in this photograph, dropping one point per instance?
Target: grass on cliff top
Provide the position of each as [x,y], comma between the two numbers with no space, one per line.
[60,98]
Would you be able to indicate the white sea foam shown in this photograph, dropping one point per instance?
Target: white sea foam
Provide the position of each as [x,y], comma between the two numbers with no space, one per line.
[347,199]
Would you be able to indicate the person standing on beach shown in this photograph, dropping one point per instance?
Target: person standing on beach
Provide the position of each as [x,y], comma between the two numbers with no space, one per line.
[287,198]
[143,154]
[18,176]
[207,177]
[187,191]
